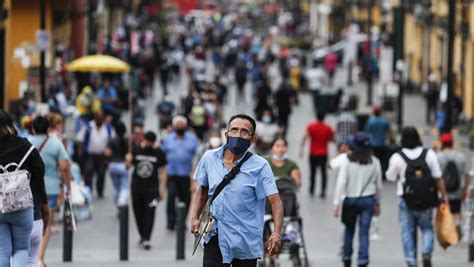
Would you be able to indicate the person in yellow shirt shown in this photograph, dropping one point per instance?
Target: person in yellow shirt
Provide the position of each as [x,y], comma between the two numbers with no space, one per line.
[86,103]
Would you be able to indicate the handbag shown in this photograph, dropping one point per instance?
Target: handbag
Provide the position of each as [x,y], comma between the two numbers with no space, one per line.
[349,213]
[206,217]
[15,191]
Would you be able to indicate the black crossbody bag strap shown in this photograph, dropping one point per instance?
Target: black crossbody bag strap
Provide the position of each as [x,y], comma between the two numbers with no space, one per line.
[229,176]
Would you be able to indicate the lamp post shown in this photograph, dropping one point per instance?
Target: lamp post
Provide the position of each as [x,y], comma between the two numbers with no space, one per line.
[42,70]
[450,80]
[369,61]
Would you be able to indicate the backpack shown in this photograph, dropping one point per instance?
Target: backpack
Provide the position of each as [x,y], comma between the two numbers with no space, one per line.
[451,177]
[15,191]
[420,191]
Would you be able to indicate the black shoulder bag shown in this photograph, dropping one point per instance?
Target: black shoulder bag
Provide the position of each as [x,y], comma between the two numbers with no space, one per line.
[349,213]
[206,218]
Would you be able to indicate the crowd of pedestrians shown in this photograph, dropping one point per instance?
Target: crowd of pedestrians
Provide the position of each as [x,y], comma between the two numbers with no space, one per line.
[192,148]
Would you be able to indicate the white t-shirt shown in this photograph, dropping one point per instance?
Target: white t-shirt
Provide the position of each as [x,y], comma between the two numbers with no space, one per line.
[98,139]
[397,166]
[315,79]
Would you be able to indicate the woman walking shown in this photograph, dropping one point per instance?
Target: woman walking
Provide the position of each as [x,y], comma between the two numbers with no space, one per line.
[16,227]
[115,152]
[360,181]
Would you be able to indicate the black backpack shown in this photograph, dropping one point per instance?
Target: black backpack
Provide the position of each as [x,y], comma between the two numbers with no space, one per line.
[451,177]
[420,191]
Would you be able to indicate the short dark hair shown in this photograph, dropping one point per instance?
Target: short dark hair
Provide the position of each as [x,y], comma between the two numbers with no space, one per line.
[244,117]
[7,129]
[120,128]
[320,115]
[150,136]
[41,125]
[410,138]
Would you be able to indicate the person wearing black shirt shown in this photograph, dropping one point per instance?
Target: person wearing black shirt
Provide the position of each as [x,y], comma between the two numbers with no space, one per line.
[23,229]
[149,166]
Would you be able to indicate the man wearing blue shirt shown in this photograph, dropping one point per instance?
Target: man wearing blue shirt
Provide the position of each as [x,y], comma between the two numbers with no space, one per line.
[236,237]
[378,128]
[180,146]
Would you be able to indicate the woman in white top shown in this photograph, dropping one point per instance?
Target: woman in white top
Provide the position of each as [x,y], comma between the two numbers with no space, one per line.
[360,182]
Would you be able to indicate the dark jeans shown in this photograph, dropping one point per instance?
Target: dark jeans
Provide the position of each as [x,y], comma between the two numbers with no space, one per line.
[95,164]
[213,256]
[430,112]
[365,211]
[144,210]
[316,161]
[178,186]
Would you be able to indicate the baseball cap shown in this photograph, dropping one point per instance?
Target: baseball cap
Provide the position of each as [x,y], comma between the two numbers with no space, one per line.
[446,138]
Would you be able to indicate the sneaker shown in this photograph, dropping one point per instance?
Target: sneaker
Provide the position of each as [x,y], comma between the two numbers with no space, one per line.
[322,195]
[146,245]
[347,263]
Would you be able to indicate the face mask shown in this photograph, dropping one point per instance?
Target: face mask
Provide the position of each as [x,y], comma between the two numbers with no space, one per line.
[237,145]
[282,158]
[267,119]
[180,131]
[215,142]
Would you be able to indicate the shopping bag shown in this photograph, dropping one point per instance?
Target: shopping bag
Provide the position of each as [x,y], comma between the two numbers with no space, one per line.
[445,227]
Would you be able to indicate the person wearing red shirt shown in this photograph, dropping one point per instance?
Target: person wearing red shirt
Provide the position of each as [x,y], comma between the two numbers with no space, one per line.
[320,135]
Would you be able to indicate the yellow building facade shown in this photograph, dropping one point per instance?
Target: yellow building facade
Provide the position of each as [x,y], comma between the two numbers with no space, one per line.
[20,54]
[426,46]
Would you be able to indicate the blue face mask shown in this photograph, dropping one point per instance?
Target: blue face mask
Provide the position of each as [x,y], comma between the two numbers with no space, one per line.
[237,145]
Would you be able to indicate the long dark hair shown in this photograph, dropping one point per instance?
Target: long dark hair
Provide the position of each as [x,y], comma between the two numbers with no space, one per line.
[121,130]
[410,138]
[7,129]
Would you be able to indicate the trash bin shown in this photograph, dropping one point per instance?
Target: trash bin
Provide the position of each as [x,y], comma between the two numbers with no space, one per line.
[327,103]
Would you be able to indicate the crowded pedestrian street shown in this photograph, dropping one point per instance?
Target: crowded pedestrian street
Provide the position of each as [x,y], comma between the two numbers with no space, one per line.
[236,133]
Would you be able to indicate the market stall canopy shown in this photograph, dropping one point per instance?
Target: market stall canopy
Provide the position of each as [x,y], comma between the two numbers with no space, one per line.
[98,63]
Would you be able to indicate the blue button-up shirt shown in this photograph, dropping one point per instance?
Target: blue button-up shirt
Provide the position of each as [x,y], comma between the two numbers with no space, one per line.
[240,207]
[180,153]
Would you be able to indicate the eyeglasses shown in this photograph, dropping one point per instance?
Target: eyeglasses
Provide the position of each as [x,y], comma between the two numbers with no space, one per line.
[236,132]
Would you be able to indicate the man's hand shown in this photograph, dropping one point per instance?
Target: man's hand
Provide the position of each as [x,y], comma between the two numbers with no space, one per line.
[335,211]
[273,244]
[160,195]
[195,224]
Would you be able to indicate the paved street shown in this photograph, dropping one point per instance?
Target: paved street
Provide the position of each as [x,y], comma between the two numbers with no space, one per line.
[96,241]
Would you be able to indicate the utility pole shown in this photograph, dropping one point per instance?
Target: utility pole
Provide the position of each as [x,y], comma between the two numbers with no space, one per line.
[42,70]
[369,62]
[399,32]
[450,81]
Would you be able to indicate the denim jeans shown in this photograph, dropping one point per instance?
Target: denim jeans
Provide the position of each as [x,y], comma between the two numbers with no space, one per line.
[15,231]
[365,211]
[119,174]
[409,220]
[35,240]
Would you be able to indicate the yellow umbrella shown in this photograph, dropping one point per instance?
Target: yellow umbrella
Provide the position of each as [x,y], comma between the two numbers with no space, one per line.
[98,63]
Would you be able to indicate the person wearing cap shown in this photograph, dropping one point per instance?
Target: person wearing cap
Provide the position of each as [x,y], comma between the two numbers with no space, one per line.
[378,127]
[360,182]
[180,147]
[453,163]
[149,164]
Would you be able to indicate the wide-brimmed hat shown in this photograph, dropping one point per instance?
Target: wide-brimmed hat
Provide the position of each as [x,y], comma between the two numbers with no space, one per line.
[359,142]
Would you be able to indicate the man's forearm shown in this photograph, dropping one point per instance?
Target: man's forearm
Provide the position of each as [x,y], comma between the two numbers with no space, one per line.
[199,201]
[277,213]
[442,188]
